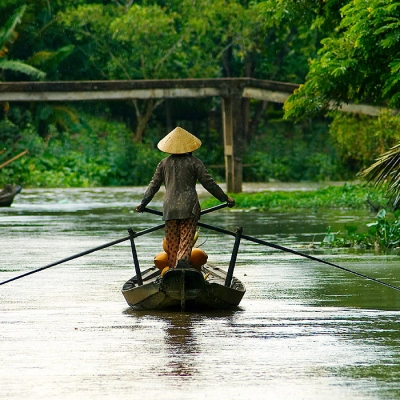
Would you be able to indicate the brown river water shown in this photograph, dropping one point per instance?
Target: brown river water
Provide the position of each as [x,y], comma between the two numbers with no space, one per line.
[304,330]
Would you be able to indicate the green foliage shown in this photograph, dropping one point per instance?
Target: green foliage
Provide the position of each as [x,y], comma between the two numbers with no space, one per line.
[102,39]
[8,36]
[155,48]
[288,152]
[18,66]
[386,172]
[291,38]
[9,132]
[190,39]
[146,48]
[8,32]
[382,234]
[96,153]
[360,139]
[358,63]
[50,60]
[347,196]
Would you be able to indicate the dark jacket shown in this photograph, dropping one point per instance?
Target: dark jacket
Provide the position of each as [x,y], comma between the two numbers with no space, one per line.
[179,173]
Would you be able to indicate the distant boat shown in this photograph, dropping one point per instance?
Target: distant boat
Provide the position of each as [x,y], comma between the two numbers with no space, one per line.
[8,193]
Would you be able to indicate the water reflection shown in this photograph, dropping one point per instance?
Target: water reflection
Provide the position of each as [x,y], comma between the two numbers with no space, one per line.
[180,335]
[181,345]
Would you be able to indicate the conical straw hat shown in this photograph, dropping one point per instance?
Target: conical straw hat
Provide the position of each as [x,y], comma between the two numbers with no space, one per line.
[179,141]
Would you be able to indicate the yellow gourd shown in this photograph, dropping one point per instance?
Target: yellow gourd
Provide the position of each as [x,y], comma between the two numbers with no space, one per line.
[161,260]
[198,258]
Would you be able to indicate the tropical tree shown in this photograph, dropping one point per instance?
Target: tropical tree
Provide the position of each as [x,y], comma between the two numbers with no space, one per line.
[8,35]
[360,139]
[9,133]
[113,50]
[186,39]
[36,64]
[359,63]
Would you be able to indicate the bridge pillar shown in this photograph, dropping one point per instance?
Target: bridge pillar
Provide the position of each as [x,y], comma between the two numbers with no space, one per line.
[232,122]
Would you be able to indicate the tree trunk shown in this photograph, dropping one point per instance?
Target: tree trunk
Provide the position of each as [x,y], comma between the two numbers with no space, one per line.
[143,118]
[168,119]
[258,113]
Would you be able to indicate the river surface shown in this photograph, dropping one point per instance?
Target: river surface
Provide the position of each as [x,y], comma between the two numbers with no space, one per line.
[304,330]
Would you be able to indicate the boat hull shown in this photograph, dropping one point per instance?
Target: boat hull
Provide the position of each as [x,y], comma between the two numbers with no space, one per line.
[7,196]
[185,289]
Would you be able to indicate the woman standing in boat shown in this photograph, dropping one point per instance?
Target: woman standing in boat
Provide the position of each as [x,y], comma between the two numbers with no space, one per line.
[181,209]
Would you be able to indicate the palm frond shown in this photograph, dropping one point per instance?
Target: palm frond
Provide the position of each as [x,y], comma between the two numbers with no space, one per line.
[7,32]
[40,57]
[65,116]
[19,66]
[49,60]
[386,170]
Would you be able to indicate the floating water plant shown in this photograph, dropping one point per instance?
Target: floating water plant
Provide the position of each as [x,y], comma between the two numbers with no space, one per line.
[382,234]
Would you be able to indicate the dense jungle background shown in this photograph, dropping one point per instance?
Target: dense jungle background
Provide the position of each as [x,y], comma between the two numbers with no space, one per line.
[114,143]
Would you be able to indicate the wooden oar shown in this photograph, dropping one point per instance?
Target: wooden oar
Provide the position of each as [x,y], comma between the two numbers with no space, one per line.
[282,248]
[215,208]
[208,210]
[85,253]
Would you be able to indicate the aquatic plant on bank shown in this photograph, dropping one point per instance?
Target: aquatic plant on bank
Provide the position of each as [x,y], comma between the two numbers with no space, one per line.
[382,234]
[346,196]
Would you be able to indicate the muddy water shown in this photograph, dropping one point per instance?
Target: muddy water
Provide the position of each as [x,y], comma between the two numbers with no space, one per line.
[304,330]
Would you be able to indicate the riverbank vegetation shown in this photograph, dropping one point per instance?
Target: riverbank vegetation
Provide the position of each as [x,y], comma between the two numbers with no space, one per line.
[381,234]
[97,151]
[346,196]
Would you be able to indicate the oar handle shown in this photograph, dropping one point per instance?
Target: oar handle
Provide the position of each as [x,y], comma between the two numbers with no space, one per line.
[215,208]
[151,211]
[206,211]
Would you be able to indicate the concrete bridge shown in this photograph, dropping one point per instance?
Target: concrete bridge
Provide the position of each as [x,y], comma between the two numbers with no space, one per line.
[231,90]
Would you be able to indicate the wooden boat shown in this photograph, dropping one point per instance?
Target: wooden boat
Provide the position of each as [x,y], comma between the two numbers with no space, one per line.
[184,289]
[7,195]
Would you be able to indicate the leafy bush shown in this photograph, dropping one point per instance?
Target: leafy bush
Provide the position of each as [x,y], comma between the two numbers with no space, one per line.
[81,149]
[360,139]
[96,152]
[382,234]
[93,151]
[288,152]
